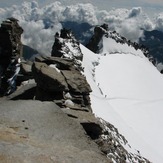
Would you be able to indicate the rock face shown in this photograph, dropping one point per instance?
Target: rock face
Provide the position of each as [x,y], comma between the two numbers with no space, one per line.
[48,78]
[40,132]
[61,49]
[58,79]
[94,43]
[10,52]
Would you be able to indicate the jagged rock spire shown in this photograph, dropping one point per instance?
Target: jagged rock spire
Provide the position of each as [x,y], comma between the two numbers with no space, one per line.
[99,31]
[62,43]
[10,53]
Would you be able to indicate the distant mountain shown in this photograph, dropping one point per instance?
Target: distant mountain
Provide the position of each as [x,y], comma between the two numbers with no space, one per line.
[154,41]
[82,31]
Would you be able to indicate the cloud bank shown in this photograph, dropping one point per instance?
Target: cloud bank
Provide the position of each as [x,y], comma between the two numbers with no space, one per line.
[159,22]
[41,23]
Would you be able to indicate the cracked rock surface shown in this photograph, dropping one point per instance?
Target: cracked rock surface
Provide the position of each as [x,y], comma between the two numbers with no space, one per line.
[34,131]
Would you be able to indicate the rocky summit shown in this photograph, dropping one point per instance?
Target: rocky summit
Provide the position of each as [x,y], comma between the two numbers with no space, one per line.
[60,81]
[48,117]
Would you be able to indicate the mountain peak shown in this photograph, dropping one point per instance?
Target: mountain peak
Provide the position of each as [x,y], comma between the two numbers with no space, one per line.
[62,44]
[94,43]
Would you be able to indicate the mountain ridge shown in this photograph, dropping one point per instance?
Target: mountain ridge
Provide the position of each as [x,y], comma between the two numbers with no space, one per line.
[129,88]
[61,80]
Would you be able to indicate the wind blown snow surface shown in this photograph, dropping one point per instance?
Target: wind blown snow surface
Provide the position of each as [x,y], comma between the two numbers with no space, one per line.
[128,92]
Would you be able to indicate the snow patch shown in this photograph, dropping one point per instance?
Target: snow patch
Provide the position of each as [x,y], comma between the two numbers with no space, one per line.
[55,67]
[69,103]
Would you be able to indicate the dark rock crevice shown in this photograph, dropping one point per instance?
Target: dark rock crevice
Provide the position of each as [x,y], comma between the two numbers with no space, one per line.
[92,129]
[29,94]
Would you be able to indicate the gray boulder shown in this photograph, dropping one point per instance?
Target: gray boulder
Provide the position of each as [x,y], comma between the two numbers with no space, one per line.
[62,64]
[48,78]
[55,77]
[76,81]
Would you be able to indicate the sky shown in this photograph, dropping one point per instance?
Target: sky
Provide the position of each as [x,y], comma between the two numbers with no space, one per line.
[151,6]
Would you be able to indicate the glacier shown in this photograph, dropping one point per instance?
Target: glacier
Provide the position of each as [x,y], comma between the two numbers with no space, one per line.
[127,92]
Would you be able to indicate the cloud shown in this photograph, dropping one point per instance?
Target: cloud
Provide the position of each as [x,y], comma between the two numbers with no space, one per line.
[37,37]
[81,13]
[128,23]
[130,29]
[33,20]
[159,22]
[41,23]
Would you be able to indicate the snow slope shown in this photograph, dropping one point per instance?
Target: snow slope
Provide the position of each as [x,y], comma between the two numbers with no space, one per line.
[127,92]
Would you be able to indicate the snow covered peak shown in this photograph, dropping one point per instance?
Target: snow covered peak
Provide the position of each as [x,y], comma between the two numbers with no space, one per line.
[127,92]
[106,41]
[113,43]
[66,46]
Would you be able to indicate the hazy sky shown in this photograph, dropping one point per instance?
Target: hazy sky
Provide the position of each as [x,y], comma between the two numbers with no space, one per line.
[151,6]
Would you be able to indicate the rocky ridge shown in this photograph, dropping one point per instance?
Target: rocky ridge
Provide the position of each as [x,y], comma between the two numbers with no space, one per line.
[61,45]
[38,130]
[95,44]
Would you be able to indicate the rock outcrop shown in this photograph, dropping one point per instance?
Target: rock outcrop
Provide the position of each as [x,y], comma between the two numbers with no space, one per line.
[59,80]
[61,46]
[94,43]
[10,53]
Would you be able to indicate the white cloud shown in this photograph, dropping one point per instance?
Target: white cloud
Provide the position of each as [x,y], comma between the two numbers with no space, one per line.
[37,37]
[159,22]
[130,29]
[127,22]
[81,13]
[40,24]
